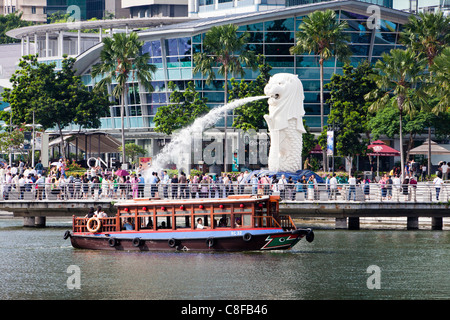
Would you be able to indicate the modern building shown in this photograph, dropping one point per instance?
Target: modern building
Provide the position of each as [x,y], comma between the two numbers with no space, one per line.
[33,10]
[172,42]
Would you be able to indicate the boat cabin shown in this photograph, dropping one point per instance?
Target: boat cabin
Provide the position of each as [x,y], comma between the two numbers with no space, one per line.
[193,214]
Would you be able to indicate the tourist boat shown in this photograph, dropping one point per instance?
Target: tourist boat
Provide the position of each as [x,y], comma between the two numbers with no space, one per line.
[236,223]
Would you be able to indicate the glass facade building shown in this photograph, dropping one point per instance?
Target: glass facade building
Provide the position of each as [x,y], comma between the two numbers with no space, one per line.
[271,37]
[173,45]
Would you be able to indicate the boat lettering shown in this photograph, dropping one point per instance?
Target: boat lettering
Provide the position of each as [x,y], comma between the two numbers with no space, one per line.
[236,233]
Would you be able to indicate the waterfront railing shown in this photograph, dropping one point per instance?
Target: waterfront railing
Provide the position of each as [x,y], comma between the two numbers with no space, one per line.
[421,192]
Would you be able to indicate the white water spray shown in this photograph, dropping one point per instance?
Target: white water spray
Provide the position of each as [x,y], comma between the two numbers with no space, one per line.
[182,139]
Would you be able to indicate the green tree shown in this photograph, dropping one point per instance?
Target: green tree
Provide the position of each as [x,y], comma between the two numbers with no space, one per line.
[398,77]
[132,151]
[322,34]
[121,61]
[223,50]
[251,115]
[9,22]
[185,107]
[56,98]
[441,81]
[427,34]
[349,109]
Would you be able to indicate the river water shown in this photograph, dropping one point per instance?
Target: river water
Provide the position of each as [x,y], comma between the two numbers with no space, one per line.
[339,264]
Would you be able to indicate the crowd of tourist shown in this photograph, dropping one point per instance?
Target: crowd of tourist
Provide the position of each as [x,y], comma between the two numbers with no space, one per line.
[23,182]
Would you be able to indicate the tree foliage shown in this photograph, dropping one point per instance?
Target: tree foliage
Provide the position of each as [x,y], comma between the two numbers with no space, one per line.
[9,22]
[251,115]
[349,109]
[121,60]
[56,97]
[185,107]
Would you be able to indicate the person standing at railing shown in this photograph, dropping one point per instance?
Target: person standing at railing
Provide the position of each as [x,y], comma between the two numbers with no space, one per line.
[397,185]
[438,182]
[134,185]
[183,185]
[413,184]
[174,186]
[265,182]
[352,187]
[444,169]
[282,186]
[405,186]
[311,187]
[333,187]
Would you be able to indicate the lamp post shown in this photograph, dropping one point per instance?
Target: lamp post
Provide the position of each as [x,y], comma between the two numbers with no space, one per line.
[33,138]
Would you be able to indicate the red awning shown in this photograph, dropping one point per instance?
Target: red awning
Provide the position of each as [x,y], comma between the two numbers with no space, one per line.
[379,148]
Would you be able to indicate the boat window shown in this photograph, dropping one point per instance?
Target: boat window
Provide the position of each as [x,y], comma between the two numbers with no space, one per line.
[163,223]
[242,220]
[205,221]
[146,222]
[183,222]
[222,220]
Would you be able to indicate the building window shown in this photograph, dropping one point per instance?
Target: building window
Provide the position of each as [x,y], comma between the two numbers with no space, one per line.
[33,10]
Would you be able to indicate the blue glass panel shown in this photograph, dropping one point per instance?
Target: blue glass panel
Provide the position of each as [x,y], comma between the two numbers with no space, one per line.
[277,49]
[197,38]
[360,37]
[312,121]
[257,48]
[277,61]
[385,38]
[252,27]
[280,25]
[186,73]
[156,48]
[379,49]
[184,46]
[360,50]
[255,37]
[279,37]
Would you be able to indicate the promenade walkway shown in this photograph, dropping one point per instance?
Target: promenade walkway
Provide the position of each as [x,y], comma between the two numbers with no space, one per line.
[345,202]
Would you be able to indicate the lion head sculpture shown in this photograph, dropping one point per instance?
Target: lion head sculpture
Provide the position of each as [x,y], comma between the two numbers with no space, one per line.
[286,97]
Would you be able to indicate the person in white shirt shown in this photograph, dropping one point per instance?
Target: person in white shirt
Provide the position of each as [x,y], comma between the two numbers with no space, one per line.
[444,169]
[438,183]
[200,224]
[352,189]
[397,184]
[333,187]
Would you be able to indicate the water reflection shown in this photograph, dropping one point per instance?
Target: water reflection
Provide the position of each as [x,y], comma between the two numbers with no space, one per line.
[413,264]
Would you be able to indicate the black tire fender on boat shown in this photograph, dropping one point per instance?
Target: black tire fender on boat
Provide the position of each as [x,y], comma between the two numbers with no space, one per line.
[210,242]
[172,242]
[310,236]
[67,234]
[112,242]
[247,237]
[137,242]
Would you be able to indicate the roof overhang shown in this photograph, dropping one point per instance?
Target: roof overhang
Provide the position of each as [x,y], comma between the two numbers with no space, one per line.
[197,26]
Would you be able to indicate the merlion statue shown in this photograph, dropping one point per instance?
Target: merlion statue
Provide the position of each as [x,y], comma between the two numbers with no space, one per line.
[285,122]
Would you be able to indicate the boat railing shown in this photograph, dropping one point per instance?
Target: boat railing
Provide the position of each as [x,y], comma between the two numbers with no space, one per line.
[109,224]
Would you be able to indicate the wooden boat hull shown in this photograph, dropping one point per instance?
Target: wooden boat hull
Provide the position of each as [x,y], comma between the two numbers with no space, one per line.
[243,240]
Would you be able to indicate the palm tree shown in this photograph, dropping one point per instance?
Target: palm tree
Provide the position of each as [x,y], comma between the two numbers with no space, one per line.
[223,47]
[322,34]
[398,76]
[121,59]
[441,80]
[427,34]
